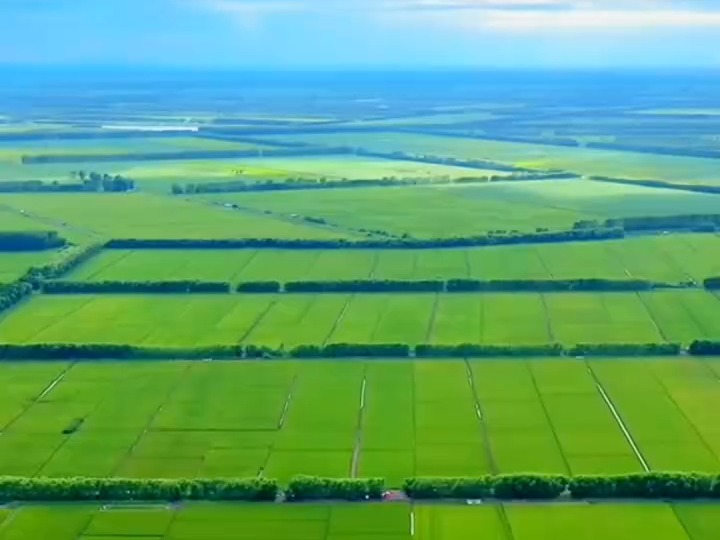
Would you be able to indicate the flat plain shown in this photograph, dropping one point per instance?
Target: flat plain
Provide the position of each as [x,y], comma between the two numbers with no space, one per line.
[288,320]
[215,521]
[392,418]
[441,211]
[584,161]
[671,258]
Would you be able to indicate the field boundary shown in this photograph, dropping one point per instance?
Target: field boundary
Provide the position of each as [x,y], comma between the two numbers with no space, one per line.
[650,486]
[249,351]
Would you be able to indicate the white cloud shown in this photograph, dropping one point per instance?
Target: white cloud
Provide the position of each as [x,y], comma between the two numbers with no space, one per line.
[500,15]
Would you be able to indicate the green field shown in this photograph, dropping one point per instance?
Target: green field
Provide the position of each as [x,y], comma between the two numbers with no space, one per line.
[171,419]
[215,521]
[435,211]
[138,215]
[14,150]
[287,320]
[584,161]
[671,258]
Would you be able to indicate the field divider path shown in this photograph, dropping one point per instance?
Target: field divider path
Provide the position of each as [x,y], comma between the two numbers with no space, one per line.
[431,321]
[104,267]
[659,329]
[682,412]
[548,318]
[551,426]
[235,277]
[339,319]
[173,388]
[57,380]
[412,521]
[280,423]
[481,417]
[355,466]
[250,329]
[505,522]
[618,419]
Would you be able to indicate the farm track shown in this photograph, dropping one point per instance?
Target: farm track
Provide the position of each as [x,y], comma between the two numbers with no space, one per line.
[548,418]
[481,418]
[618,418]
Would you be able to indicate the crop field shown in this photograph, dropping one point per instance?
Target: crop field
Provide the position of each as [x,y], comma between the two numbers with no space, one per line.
[139,215]
[672,259]
[14,150]
[160,175]
[377,418]
[222,521]
[436,211]
[287,320]
[16,264]
[584,161]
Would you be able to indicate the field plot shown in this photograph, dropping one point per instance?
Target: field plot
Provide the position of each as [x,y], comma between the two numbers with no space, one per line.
[664,407]
[14,264]
[341,167]
[392,419]
[671,258]
[290,319]
[149,216]
[583,161]
[224,521]
[14,150]
[437,211]
[208,521]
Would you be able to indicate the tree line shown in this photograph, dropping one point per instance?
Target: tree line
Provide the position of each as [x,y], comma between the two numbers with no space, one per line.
[30,240]
[99,351]
[505,487]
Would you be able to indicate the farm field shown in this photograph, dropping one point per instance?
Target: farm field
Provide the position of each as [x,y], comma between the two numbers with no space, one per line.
[441,211]
[138,215]
[15,264]
[393,419]
[158,176]
[672,258]
[287,320]
[221,521]
[584,161]
[14,150]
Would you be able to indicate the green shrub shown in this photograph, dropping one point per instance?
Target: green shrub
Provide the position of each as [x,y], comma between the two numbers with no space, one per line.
[123,489]
[142,287]
[654,485]
[349,350]
[449,488]
[258,287]
[529,486]
[469,350]
[308,488]
[625,349]
[30,240]
[705,348]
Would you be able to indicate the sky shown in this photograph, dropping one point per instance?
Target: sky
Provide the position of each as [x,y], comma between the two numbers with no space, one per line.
[296,34]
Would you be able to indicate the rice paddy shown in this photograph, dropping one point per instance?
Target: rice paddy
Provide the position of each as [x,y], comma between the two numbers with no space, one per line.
[288,320]
[397,521]
[672,259]
[393,419]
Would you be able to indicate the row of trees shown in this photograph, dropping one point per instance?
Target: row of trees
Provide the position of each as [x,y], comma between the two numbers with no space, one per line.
[353,286]
[84,182]
[30,240]
[491,239]
[144,287]
[16,291]
[63,351]
[651,486]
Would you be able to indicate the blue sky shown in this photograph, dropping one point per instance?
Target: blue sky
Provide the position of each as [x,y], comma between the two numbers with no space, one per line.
[362,33]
